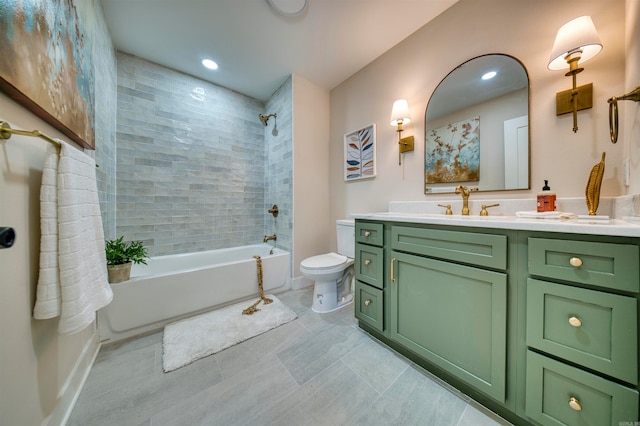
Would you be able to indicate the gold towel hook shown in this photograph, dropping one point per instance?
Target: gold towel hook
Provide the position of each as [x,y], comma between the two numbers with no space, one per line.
[633,95]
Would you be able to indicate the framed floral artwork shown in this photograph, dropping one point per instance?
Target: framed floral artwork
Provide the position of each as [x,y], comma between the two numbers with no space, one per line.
[453,152]
[46,48]
[360,153]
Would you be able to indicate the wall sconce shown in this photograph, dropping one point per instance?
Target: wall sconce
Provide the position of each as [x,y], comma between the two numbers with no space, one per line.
[577,40]
[399,116]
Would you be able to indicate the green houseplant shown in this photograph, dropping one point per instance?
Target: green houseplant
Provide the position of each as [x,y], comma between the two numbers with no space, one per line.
[121,255]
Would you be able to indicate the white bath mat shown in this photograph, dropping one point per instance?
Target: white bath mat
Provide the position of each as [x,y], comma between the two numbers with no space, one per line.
[193,338]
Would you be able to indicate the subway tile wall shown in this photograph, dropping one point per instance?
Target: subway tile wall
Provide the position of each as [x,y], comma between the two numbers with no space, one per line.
[190,161]
[104,57]
[279,165]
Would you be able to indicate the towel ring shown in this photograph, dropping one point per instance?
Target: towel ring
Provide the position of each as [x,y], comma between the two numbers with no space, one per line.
[633,95]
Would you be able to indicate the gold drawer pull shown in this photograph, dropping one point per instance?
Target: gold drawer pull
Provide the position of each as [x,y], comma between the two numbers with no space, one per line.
[367,302]
[367,261]
[367,233]
[575,404]
[393,278]
[576,262]
[575,321]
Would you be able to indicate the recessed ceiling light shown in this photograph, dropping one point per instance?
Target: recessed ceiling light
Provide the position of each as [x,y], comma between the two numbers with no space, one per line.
[489,75]
[210,64]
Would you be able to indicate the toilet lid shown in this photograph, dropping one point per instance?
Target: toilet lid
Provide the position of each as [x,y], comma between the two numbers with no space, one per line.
[328,260]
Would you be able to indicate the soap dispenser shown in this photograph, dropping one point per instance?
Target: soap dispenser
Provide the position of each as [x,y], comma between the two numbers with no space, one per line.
[546,199]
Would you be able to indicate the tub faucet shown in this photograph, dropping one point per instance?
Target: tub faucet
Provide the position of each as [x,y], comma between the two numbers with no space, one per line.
[269,238]
[465,197]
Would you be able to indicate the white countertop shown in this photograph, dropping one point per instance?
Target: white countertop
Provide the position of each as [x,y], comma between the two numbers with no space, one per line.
[613,227]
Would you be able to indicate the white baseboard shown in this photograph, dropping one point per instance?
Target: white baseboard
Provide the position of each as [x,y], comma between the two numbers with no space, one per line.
[75,382]
[298,283]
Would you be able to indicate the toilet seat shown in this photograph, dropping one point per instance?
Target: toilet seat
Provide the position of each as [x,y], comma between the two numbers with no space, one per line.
[324,261]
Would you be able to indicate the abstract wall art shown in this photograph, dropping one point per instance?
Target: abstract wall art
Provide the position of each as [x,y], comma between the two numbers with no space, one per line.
[453,152]
[360,153]
[46,47]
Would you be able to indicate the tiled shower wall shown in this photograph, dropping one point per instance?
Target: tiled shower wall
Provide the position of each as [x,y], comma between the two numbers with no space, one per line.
[279,165]
[190,161]
[104,57]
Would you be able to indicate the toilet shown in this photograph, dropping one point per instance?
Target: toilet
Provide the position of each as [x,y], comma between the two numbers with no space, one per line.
[333,272]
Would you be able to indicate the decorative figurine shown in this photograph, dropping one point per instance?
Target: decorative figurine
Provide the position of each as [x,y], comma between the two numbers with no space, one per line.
[593,186]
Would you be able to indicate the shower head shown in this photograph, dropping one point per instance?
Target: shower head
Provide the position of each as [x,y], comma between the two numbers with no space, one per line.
[265,118]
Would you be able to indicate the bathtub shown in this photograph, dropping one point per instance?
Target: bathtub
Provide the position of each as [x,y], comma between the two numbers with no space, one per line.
[172,287]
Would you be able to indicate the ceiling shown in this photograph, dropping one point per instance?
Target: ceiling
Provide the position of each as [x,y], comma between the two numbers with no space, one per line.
[256,48]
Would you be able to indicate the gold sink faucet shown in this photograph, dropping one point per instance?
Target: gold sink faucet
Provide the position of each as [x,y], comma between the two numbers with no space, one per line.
[465,197]
[270,237]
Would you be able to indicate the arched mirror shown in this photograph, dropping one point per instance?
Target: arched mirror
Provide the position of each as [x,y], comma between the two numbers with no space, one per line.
[477,127]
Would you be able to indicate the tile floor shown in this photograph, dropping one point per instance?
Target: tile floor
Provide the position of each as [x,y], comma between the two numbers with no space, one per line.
[315,370]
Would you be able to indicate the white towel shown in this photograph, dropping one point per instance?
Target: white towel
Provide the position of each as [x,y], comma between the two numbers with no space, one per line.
[73,273]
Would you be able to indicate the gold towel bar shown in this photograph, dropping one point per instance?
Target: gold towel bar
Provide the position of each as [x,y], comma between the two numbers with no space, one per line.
[6,131]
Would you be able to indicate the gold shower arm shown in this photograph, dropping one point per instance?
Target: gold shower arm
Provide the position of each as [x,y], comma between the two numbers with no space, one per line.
[633,95]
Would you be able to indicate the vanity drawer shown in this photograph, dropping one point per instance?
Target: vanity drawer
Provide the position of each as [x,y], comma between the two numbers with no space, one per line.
[369,265]
[606,265]
[592,328]
[486,250]
[369,306]
[369,233]
[551,385]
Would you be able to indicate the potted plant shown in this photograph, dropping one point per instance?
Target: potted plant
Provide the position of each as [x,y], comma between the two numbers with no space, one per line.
[121,255]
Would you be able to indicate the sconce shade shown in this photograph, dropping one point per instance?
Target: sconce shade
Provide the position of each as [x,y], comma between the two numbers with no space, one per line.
[575,35]
[400,112]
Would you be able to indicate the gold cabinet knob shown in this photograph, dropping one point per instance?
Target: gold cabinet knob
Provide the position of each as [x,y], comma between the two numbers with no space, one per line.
[367,302]
[575,321]
[575,404]
[367,261]
[367,233]
[576,262]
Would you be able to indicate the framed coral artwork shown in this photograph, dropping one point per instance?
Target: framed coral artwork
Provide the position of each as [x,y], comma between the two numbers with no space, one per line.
[46,48]
[360,153]
[453,152]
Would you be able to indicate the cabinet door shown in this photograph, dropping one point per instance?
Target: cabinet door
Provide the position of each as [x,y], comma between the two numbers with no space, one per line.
[454,316]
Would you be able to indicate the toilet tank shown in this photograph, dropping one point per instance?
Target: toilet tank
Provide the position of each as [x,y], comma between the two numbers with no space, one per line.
[346,232]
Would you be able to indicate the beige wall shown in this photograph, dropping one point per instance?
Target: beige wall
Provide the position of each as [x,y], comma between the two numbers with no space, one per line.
[630,111]
[39,369]
[413,68]
[311,218]
[41,372]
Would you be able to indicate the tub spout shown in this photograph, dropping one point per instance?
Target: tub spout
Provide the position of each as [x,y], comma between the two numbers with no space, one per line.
[269,238]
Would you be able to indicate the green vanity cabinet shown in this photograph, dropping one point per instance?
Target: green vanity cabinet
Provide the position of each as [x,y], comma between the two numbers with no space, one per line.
[541,327]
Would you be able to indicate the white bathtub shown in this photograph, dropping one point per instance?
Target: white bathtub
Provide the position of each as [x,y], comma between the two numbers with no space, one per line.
[176,286]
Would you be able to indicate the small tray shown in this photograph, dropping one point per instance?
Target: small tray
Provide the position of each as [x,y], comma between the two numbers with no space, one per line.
[545,215]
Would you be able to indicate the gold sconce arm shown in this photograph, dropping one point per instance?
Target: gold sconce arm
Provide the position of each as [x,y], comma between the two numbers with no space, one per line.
[633,95]
[406,143]
[399,116]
